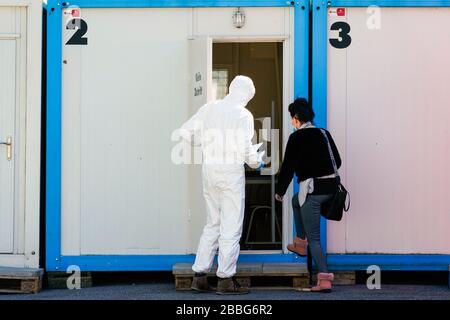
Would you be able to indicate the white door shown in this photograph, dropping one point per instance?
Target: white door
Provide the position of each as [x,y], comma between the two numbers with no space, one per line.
[7,140]
[200,50]
[20,116]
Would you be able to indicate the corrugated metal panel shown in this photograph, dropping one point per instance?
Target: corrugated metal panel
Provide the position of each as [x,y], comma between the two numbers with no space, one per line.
[270,22]
[123,95]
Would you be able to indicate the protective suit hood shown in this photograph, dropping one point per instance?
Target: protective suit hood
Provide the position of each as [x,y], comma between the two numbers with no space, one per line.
[241,90]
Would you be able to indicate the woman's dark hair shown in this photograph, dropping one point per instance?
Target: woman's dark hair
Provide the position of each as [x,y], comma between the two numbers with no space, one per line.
[301,110]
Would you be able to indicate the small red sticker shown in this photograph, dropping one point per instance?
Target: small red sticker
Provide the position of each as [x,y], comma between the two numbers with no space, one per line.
[340,12]
[75,13]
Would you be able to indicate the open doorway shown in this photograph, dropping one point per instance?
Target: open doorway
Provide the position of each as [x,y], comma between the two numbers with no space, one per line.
[263,63]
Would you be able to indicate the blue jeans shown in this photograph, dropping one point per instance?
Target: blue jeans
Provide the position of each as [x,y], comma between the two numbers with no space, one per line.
[307,225]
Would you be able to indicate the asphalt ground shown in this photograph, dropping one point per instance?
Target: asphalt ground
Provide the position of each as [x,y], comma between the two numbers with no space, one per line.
[166,291]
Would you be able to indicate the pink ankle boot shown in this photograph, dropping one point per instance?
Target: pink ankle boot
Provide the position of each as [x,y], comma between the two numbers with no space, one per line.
[324,282]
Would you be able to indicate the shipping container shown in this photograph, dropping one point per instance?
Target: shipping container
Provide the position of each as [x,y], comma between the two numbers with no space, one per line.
[20,125]
[121,77]
[381,74]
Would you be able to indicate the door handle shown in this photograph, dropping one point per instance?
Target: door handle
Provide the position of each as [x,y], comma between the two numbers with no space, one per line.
[8,144]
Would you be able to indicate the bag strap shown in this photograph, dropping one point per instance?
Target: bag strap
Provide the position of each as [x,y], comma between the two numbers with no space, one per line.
[335,168]
[333,160]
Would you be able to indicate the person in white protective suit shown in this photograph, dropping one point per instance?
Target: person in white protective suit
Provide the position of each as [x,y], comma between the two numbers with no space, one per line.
[224,129]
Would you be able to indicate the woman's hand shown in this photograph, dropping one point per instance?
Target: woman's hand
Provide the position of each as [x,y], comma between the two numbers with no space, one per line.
[278,197]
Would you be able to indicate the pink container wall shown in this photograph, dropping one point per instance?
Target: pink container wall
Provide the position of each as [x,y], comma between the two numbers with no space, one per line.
[389,110]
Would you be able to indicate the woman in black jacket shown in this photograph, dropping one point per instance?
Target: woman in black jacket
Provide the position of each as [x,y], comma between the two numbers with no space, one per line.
[307,155]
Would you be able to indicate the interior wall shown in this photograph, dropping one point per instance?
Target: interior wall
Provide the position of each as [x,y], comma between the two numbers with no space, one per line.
[263,63]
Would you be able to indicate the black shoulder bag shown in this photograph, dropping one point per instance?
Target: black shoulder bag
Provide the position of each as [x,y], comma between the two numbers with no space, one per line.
[334,208]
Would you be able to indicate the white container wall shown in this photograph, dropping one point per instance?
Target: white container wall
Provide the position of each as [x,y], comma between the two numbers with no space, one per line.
[123,94]
[20,114]
[388,108]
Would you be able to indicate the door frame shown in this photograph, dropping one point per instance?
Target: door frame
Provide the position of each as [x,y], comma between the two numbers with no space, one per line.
[29,223]
[54,260]
[287,94]
[319,96]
